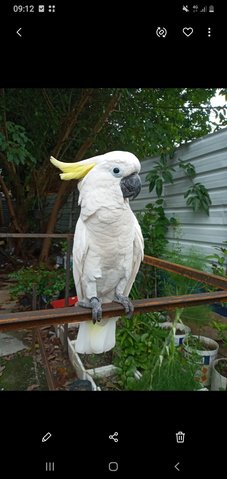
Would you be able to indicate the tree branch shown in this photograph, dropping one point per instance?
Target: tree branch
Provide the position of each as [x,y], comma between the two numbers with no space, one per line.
[71,121]
[66,187]
[10,206]
[99,125]
[65,133]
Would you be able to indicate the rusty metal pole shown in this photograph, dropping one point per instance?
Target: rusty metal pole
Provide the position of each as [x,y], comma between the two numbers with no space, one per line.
[34,307]
[46,317]
[37,334]
[49,376]
[67,282]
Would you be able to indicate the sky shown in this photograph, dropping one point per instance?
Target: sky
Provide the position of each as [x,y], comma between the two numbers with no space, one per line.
[217,100]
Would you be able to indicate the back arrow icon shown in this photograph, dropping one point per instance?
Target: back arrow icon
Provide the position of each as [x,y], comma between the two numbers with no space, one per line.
[18,32]
[176,466]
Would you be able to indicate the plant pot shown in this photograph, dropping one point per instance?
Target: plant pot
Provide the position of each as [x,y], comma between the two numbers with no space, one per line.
[90,374]
[76,362]
[218,381]
[178,338]
[74,358]
[205,358]
[60,303]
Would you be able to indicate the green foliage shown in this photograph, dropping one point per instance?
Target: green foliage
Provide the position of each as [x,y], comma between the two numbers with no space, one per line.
[143,347]
[47,282]
[154,225]
[175,373]
[159,119]
[198,315]
[198,198]
[221,329]
[16,145]
[59,248]
[174,284]
[195,343]
[162,172]
[147,121]
[219,266]
[197,195]
[188,168]
[137,340]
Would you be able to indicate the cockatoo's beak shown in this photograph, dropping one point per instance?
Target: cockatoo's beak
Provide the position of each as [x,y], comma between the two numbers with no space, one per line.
[131,186]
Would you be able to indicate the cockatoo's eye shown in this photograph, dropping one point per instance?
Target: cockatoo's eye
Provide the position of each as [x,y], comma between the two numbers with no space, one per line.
[116,172]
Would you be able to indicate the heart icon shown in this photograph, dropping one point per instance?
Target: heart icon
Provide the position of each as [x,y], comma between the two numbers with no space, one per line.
[187,31]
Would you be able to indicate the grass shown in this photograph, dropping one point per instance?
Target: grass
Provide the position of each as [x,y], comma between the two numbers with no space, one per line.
[21,373]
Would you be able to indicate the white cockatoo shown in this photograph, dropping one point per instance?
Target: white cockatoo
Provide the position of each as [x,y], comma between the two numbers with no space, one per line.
[108,243]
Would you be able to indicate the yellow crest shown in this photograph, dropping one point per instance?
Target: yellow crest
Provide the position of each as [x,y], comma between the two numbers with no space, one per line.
[73,171]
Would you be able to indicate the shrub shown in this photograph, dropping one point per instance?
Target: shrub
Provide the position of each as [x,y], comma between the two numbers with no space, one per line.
[48,283]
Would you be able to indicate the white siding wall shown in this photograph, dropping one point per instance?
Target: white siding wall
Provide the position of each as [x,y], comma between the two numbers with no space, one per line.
[209,156]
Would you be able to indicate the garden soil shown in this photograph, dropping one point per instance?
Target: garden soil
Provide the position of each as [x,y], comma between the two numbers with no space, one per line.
[21,364]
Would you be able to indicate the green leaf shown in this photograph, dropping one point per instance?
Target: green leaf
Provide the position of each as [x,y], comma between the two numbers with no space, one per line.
[160,201]
[159,186]
[152,183]
[167,176]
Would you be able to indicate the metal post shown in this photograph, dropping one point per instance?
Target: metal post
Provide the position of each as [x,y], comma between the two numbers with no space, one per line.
[34,306]
[49,377]
[67,282]
[37,334]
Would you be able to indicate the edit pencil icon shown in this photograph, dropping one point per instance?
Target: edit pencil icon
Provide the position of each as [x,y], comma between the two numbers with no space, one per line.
[46,437]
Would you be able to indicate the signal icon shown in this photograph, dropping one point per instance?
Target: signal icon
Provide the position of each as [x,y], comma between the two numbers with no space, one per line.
[203,10]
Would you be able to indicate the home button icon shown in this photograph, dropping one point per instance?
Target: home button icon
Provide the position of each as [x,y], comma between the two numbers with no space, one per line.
[113,466]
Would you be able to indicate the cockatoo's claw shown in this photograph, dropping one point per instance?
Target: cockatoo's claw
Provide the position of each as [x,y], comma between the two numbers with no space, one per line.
[125,301]
[96,306]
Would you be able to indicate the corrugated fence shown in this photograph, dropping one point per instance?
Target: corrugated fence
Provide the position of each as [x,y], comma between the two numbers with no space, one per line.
[209,157]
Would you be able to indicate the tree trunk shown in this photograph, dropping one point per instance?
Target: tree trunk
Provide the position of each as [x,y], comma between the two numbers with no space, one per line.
[10,206]
[18,243]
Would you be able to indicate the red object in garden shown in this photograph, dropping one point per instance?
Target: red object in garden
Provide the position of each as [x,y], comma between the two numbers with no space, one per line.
[60,303]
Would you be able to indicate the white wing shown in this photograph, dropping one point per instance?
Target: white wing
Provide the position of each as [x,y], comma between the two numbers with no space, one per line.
[80,250]
[138,254]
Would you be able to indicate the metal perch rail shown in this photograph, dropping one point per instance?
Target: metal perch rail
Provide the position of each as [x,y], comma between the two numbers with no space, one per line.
[47,317]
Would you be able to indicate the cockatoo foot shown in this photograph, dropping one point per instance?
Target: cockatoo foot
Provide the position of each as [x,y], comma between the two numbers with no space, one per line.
[95,305]
[125,301]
